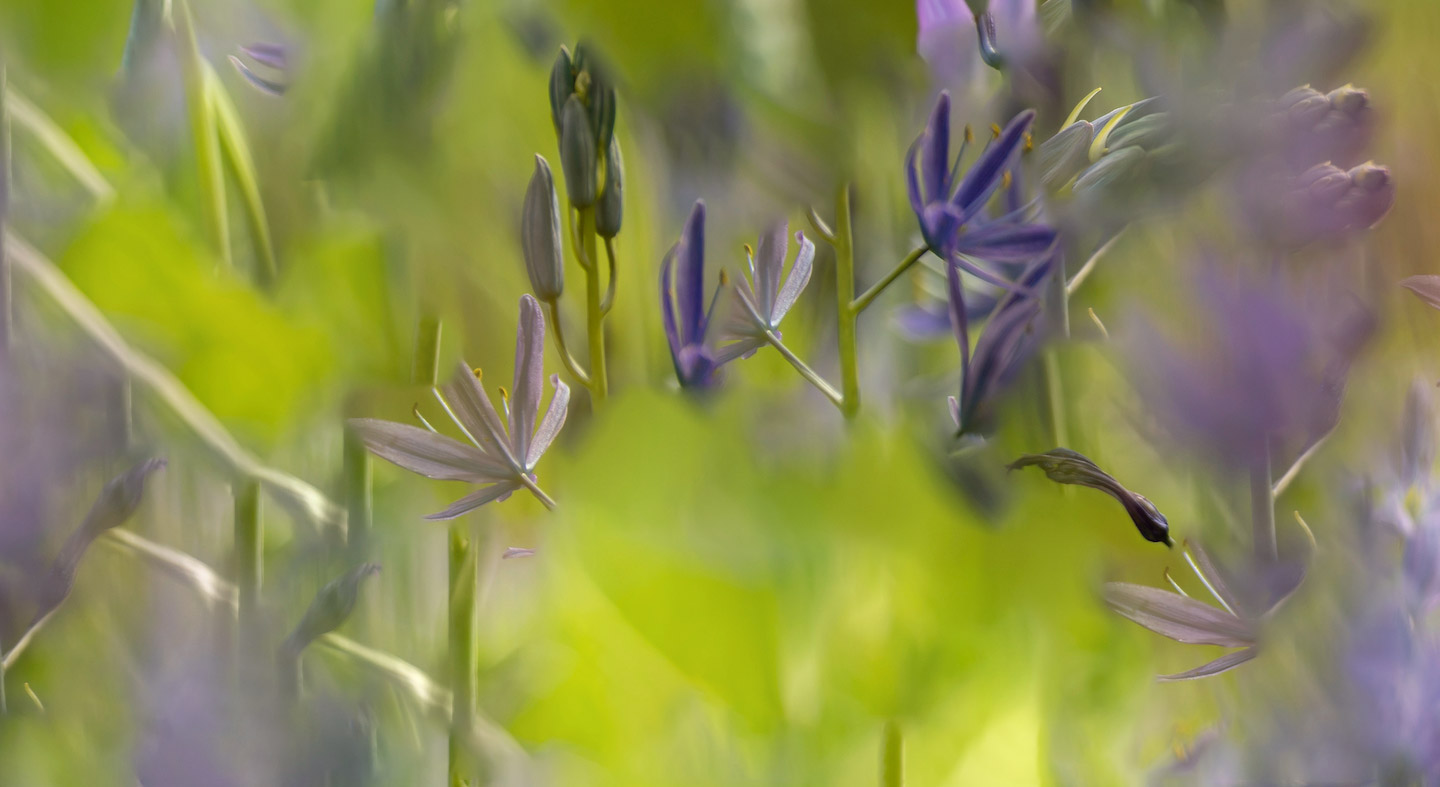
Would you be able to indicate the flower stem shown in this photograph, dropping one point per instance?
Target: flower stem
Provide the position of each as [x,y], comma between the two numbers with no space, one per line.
[559,333]
[463,579]
[7,324]
[609,299]
[805,371]
[892,757]
[538,492]
[1262,509]
[594,312]
[863,302]
[1054,382]
[845,312]
[357,472]
[249,552]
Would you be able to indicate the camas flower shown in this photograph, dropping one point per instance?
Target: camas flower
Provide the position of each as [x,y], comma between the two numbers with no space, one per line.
[761,300]
[500,459]
[683,307]
[951,210]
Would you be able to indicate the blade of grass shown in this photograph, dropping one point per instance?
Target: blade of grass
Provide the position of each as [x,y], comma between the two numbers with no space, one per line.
[57,143]
[208,164]
[242,167]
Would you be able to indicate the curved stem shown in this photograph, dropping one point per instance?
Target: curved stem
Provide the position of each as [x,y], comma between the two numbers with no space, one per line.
[463,663]
[594,316]
[609,299]
[576,239]
[862,302]
[1089,266]
[819,226]
[570,363]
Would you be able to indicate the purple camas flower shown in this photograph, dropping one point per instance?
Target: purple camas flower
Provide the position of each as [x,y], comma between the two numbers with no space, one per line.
[761,301]
[684,308]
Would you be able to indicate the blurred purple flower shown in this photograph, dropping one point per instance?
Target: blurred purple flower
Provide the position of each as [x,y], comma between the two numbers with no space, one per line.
[683,308]
[951,210]
[1323,203]
[952,37]
[1266,372]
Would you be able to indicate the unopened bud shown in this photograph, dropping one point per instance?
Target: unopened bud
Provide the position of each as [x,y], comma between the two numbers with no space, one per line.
[562,84]
[577,153]
[1062,156]
[1114,168]
[610,210]
[540,234]
[1148,132]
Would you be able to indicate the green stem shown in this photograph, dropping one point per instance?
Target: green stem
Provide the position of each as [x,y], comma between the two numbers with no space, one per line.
[594,313]
[805,371]
[559,333]
[609,299]
[427,351]
[249,551]
[357,470]
[1054,382]
[1262,509]
[845,312]
[539,493]
[863,302]
[463,578]
[892,757]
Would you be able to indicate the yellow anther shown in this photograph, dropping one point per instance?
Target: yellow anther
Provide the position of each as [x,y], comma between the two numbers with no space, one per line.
[969,134]
[724,278]
[995,129]
[479,375]
[1080,107]
[749,252]
[1029,142]
[1006,180]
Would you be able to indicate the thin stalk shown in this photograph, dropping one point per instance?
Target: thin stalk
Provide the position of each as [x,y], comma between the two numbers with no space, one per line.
[805,371]
[594,314]
[845,297]
[249,552]
[559,333]
[892,757]
[359,485]
[1262,509]
[1289,476]
[426,370]
[463,579]
[7,324]
[863,302]
[609,299]
[1054,381]
[209,163]
[1089,266]
[537,491]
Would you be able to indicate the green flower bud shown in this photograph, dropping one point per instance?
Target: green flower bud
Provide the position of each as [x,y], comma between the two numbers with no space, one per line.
[1114,168]
[611,207]
[540,234]
[577,153]
[562,84]
[1062,156]
[1146,132]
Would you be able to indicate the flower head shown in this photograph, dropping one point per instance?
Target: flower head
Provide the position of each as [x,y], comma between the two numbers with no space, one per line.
[761,299]
[683,307]
[501,455]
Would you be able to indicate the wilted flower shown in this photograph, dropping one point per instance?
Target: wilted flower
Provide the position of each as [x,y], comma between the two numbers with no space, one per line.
[501,460]
[951,211]
[683,307]
[540,234]
[1236,624]
[1064,466]
[761,300]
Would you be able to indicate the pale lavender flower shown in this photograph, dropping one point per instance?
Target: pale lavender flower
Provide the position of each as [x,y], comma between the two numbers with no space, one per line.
[761,299]
[501,456]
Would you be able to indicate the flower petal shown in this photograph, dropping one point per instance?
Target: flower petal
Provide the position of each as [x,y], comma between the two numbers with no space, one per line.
[935,151]
[529,374]
[1006,242]
[477,414]
[550,426]
[769,262]
[1178,617]
[690,278]
[796,281]
[667,305]
[1427,287]
[1225,663]
[985,175]
[429,454]
[472,501]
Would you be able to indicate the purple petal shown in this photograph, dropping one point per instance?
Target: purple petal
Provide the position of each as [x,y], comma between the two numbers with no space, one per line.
[268,54]
[985,176]
[1225,663]
[529,374]
[796,281]
[1178,617]
[690,279]
[912,179]
[429,454]
[667,306]
[959,321]
[267,86]
[998,351]
[935,151]
[921,323]
[514,552]
[474,500]
[769,262]
[1006,242]
[476,413]
[550,425]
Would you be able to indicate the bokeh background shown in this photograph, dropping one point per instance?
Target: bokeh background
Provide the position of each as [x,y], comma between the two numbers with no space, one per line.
[735,589]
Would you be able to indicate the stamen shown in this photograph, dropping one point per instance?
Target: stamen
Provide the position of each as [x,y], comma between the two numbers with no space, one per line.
[969,134]
[995,129]
[1175,584]
[415,410]
[1204,580]
[505,400]
[724,278]
[1006,180]
[479,374]
[1029,142]
[1095,318]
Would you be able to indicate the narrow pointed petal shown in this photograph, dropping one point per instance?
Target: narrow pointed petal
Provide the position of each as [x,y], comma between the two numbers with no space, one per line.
[935,151]
[741,348]
[1006,242]
[912,177]
[998,352]
[1225,663]
[268,54]
[667,305]
[690,278]
[769,263]
[472,501]
[529,374]
[796,281]
[269,87]
[550,425]
[429,454]
[477,414]
[954,409]
[990,277]
[959,321]
[1427,287]
[984,177]
[1177,617]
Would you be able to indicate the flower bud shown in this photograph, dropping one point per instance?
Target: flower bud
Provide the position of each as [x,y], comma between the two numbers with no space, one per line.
[577,153]
[611,207]
[562,84]
[1148,132]
[540,234]
[1114,168]
[1062,156]
[1304,106]
[1371,193]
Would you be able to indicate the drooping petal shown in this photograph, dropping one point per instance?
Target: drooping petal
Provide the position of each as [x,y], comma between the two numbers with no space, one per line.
[690,278]
[769,263]
[429,454]
[697,366]
[988,171]
[959,322]
[1225,663]
[796,281]
[550,425]
[269,54]
[1178,617]
[935,151]
[476,413]
[1006,242]
[529,374]
[997,352]
[472,501]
